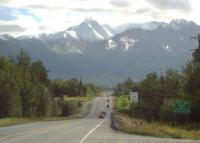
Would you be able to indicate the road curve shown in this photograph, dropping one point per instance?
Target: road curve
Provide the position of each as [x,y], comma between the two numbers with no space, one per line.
[84,130]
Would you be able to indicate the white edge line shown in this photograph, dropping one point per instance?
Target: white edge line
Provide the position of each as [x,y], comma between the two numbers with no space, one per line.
[90,132]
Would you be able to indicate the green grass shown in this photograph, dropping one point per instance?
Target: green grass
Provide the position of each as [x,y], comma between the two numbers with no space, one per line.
[15,121]
[121,102]
[81,99]
[157,129]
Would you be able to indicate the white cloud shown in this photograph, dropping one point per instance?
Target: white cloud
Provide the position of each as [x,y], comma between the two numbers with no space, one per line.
[182,5]
[127,42]
[58,15]
[120,3]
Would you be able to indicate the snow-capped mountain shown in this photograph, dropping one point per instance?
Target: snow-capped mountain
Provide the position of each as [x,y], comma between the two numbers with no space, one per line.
[6,37]
[180,23]
[177,23]
[89,30]
[96,52]
[2,37]
[145,26]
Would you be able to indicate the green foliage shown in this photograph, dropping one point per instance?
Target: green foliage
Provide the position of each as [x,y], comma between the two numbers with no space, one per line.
[157,129]
[10,102]
[154,94]
[157,93]
[125,87]
[166,110]
[26,91]
[72,87]
[90,91]
[192,86]
[122,102]
[24,88]
[70,108]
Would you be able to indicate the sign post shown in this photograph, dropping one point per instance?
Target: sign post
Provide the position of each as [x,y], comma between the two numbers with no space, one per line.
[181,107]
[134,97]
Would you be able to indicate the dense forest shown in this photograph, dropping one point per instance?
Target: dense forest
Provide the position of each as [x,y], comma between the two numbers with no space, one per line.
[157,93]
[26,90]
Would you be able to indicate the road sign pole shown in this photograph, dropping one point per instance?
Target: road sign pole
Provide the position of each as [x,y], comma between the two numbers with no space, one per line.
[175,120]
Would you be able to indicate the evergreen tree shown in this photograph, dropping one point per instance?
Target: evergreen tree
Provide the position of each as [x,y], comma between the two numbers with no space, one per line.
[192,87]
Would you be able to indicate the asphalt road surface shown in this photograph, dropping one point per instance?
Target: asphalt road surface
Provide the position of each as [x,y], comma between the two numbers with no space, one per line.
[84,130]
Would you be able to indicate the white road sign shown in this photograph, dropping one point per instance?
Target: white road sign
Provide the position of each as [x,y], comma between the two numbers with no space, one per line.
[134,97]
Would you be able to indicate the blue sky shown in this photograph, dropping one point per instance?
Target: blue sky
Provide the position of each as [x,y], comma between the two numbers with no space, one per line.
[38,16]
[6,13]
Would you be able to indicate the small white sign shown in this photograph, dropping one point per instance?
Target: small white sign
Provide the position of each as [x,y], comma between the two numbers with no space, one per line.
[134,97]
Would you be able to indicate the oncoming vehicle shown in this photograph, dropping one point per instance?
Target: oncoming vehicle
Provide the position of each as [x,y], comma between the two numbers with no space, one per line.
[102,115]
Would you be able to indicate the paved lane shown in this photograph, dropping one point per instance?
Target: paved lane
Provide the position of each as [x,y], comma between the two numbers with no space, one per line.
[105,134]
[85,130]
[72,132]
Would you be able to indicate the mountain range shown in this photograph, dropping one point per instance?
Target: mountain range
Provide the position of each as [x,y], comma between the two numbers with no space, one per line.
[105,54]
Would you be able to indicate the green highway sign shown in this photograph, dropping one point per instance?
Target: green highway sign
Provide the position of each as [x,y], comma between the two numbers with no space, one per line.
[182,106]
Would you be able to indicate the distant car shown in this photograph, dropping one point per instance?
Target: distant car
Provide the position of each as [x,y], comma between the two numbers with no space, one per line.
[102,115]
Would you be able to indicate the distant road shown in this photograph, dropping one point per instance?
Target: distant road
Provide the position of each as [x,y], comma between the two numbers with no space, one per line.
[84,130]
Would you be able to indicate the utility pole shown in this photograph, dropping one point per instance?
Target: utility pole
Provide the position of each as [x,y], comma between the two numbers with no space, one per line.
[197,38]
[198,48]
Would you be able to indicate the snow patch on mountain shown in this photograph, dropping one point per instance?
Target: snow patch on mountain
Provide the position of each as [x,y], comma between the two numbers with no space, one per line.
[75,50]
[91,30]
[145,26]
[99,36]
[2,37]
[28,37]
[167,48]
[70,33]
[109,33]
[127,42]
[111,45]
[65,51]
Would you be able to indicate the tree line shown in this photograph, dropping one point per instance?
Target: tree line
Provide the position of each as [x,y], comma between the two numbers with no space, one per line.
[26,90]
[157,93]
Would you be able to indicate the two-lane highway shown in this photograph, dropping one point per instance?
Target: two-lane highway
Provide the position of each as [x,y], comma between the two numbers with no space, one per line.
[84,130]
[69,131]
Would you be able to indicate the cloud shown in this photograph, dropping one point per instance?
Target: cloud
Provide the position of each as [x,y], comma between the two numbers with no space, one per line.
[39,7]
[142,10]
[182,5]
[5,1]
[72,9]
[11,28]
[38,16]
[94,10]
[120,3]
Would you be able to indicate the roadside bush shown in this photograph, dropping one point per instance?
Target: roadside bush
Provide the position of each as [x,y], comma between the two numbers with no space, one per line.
[56,109]
[69,108]
[166,110]
[121,102]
